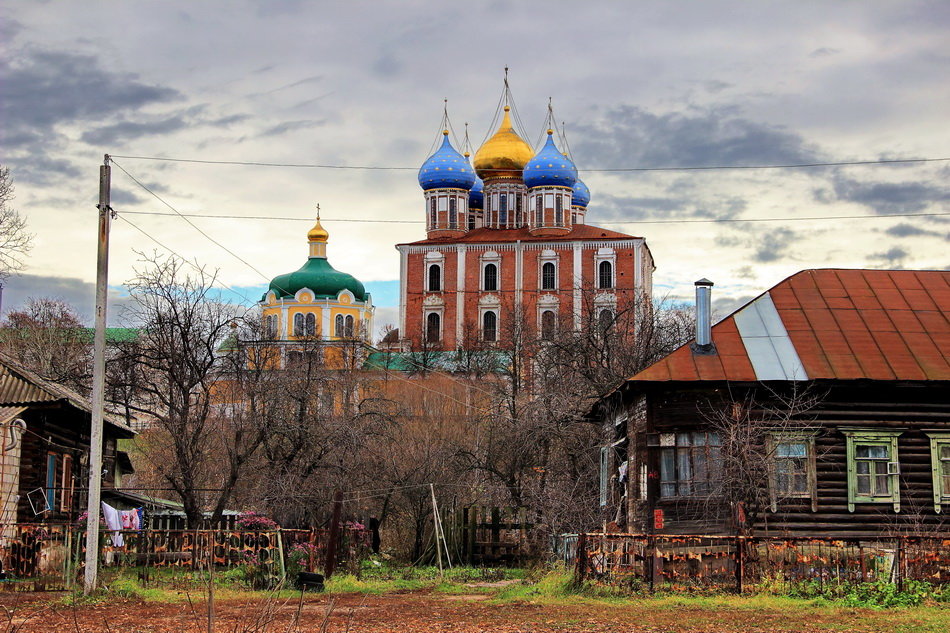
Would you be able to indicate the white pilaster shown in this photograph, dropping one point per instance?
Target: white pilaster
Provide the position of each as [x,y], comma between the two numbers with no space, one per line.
[460,295]
[519,275]
[403,290]
[578,283]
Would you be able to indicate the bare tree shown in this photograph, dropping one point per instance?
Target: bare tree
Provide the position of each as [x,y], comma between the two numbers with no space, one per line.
[47,335]
[767,450]
[170,374]
[15,241]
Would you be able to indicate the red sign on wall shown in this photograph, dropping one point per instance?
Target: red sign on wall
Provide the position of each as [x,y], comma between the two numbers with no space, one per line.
[658,519]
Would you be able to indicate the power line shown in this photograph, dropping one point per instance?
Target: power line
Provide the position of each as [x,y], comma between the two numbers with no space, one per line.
[893,161]
[684,221]
[247,301]
[194,226]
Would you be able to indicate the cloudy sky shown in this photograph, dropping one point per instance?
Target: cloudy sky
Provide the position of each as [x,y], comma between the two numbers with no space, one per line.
[639,85]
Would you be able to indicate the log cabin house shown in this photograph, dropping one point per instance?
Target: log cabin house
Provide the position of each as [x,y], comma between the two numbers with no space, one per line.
[45,448]
[820,408]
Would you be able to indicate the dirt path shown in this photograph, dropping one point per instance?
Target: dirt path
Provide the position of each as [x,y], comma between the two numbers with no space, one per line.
[431,612]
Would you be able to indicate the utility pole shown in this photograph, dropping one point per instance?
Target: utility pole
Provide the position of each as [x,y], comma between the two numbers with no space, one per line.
[98,380]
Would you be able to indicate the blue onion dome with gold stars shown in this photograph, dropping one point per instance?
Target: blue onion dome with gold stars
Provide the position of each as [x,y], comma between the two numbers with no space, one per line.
[550,168]
[476,195]
[581,195]
[446,169]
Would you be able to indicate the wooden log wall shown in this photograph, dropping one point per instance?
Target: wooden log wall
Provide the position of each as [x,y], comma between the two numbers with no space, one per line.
[915,407]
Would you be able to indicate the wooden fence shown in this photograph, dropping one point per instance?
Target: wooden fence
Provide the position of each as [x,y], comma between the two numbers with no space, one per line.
[50,556]
[739,562]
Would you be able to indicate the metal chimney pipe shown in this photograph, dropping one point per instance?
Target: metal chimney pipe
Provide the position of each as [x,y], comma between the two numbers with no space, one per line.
[703,313]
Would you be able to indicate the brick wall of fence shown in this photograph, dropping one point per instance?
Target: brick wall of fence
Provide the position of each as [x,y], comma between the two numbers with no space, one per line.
[50,556]
[742,562]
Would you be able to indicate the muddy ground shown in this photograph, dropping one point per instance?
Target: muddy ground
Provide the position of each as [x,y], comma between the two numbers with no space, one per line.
[422,612]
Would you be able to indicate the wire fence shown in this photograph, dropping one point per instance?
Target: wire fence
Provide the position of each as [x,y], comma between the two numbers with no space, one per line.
[738,563]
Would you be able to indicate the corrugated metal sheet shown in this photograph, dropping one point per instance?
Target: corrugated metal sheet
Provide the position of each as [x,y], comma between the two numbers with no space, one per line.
[840,324]
[14,389]
[21,386]
[8,413]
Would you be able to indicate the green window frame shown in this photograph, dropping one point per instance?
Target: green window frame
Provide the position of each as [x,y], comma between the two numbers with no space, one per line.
[940,467]
[792,468]
[873,466]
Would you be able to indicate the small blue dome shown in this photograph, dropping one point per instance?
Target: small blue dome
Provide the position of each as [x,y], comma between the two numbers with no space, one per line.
[446,169]
[581,196]
[550,167]
[476,195]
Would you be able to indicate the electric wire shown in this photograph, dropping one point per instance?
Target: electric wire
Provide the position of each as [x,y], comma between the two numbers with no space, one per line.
[846,163]
[612,222]
[194,226]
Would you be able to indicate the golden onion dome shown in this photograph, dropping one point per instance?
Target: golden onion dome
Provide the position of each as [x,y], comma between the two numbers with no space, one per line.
[504,155]
[318,233]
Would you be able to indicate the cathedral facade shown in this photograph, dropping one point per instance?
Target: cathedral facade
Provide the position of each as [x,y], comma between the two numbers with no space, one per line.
[508,243]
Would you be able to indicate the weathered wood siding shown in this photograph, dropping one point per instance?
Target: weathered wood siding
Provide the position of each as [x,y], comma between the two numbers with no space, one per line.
[915,407]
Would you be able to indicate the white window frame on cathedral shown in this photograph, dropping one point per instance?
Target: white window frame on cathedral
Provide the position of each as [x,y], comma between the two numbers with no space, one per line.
[548,256]
[435,258]
[605,254]
[548,303]
[489,257]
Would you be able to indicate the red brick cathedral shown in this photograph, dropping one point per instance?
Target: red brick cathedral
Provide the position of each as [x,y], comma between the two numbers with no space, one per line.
[508,239]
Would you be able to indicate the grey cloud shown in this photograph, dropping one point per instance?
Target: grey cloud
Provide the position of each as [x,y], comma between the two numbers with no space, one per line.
[629,136]
[43,89]
[768,244]
[682,205]
[891,258]
[824,51]
[81,295]
[42,169]
[123,197]
[290,126]
[909,230]
[887,198]
[127,130]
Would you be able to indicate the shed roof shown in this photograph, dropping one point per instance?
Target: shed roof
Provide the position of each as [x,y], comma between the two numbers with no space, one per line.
[21,386]
[837,324]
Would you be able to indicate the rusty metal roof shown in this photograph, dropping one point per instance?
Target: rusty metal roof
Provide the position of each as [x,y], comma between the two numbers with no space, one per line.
[21,386]
[828,324]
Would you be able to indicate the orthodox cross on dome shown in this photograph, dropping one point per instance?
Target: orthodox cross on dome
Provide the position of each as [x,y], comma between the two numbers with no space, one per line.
[318,211]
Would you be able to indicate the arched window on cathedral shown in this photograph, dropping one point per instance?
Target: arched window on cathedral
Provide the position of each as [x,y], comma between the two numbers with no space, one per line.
[435,278]
[502,210]
[490,327]
[310,324]
[338,326]
[453,214]
[518,212]
[548,325]
[298,324]
[433,326]
[270,327]
[558,210]
[348,329]
[538,210]
[548,276]
[491,277]
[605,276]
[432,215]
[605,320]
